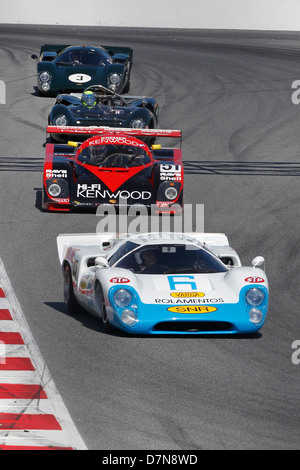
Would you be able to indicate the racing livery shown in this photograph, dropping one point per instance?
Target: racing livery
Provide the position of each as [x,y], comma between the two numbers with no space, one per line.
[159,283]
[63,68]
[112,166]
[107,108]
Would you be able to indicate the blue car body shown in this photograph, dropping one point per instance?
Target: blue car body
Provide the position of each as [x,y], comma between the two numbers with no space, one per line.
[111,110]
[196,286]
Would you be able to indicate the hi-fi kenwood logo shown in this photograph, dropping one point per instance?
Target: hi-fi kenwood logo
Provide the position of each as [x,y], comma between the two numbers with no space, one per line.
[2,92]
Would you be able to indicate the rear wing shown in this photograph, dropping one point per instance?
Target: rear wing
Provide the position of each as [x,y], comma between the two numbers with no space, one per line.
[53,48]
[210,239]
[64,241]
[216,241]
[112,50]
[94,130]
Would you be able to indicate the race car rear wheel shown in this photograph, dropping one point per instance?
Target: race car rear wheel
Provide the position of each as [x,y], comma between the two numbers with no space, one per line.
[69,298]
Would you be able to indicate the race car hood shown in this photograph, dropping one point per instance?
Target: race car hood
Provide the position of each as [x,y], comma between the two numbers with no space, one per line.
[181,289]
[131,185]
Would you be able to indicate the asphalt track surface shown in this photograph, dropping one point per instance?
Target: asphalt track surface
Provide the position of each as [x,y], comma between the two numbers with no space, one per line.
[230,93]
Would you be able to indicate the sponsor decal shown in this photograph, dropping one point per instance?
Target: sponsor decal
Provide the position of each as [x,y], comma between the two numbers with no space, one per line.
[117,140]
[60,200]
[190,300]
[162,204]
[56,173]
[187,294]
[119,280]
[79,78]
[194,309]
[170,172]
[82,287]
[254,280]
[94,191]
[71,252]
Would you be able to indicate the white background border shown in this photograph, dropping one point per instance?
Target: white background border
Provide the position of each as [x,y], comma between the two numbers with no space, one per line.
[205,14]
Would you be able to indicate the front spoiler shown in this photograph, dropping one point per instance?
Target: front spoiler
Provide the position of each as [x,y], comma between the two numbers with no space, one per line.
[62,207]
[228,319]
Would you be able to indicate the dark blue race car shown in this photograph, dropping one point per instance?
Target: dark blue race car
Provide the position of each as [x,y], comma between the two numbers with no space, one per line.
[62,68]
[99,106]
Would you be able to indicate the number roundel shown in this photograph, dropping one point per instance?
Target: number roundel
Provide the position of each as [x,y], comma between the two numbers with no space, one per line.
[79,78]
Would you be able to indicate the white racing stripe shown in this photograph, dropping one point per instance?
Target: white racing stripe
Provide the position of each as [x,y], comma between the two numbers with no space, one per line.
[32,413]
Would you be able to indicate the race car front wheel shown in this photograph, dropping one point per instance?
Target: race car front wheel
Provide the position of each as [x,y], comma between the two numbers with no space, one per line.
[69,298]
[101,304]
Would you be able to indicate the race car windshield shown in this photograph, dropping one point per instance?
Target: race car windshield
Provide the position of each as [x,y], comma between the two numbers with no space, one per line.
[171,259]
[122,251]
[85,57]
[109,156]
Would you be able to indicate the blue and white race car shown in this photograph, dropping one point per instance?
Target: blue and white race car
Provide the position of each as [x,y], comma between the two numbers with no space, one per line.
[164,283]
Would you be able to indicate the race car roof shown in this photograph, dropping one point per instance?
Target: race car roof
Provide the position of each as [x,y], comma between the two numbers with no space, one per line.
[112,239]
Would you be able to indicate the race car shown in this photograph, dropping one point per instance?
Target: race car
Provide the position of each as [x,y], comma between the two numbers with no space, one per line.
[163,283]
[112,166]
[63,68]
[99,106]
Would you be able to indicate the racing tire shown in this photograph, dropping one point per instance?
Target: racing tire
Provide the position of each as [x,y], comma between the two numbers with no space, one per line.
[100,297]
[127,86]
[127,83]
[69,298]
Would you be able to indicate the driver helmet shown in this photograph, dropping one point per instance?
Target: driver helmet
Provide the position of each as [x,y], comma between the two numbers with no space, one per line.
[75,56]
[88,99]
[148,250]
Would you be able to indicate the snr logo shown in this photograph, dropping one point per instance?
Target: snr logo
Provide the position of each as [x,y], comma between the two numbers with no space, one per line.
[2,92]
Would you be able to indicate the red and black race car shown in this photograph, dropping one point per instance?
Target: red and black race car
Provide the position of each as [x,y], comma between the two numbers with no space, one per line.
[112,166]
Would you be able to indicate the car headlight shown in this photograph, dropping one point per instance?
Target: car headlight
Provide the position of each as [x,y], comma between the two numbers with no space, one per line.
[129,317]
[255,297]
[122,298]
[171,193]
[114,78]
[255,315]
[138,124]
[60,120]
[54,190]
[45,76]
[45,86]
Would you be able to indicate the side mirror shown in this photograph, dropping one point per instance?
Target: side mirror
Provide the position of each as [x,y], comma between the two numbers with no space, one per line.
[34,56]
[258,261]
[101,262]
